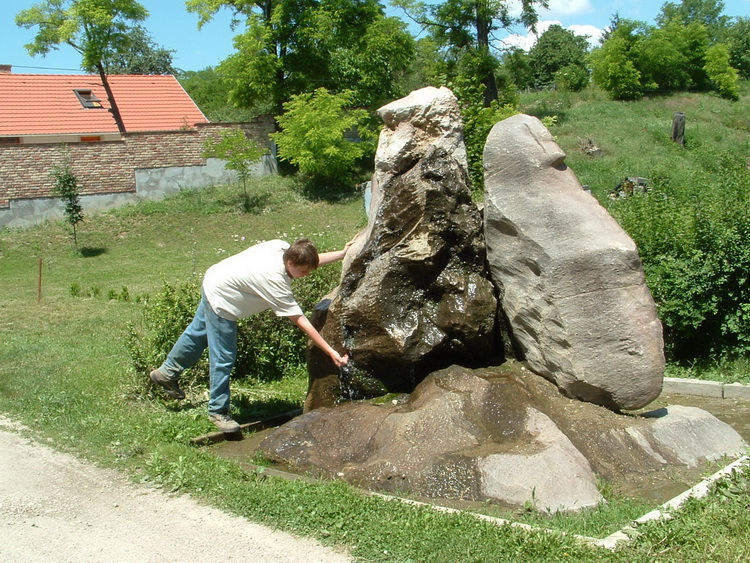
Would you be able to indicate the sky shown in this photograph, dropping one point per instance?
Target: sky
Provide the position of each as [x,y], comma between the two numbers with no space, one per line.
[171,26]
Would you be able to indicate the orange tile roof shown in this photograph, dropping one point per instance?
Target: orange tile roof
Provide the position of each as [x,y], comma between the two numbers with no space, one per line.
[43,104]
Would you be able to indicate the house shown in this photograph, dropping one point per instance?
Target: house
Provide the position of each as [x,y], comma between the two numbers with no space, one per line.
[43,108]
[46,120]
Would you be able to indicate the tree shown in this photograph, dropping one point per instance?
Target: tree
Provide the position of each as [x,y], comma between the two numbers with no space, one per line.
[613,64]
[291,47]
[142,56]
[312,135]
[66,188]
[210,91]
[556,48]
[516,61]
[97,29]
[467,27]
[739,46]
[704,12]
[239,154]
[719,71]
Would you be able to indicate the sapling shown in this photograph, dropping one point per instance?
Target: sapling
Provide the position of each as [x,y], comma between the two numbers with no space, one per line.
[66,188]
[238,152]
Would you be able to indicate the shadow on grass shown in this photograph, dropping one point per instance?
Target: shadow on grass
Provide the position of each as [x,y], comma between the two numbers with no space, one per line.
[91,252]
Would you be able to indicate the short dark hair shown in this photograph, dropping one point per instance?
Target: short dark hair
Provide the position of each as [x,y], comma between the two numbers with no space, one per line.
[303,254]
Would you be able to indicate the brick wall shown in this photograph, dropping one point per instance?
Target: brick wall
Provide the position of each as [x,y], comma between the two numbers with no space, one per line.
[109,167]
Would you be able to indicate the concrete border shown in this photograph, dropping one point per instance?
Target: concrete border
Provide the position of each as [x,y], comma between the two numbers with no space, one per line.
[703,388]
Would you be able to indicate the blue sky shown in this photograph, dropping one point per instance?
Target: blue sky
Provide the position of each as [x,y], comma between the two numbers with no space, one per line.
[174,28]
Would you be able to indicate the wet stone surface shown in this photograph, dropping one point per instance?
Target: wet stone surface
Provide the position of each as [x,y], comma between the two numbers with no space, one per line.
[657,485]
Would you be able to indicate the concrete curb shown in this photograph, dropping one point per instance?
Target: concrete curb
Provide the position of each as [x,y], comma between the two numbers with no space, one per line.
[712,389]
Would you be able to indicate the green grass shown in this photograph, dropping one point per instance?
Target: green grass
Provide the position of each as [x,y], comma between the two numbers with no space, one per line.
[65,373]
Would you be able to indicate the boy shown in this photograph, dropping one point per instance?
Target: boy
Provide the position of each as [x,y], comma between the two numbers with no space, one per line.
[247,283]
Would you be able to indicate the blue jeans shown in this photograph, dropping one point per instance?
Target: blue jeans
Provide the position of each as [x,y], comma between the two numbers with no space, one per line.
[207,330]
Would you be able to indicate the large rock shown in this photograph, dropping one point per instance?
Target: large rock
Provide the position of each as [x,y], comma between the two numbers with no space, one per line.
[571,281]
[501,434]
[415,294]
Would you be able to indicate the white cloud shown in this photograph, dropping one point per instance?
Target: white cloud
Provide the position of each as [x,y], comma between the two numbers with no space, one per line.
[593,32]
[527,41]
[568,7]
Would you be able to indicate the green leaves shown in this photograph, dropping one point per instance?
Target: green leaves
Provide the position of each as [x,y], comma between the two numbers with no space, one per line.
[312,135]
[94,28]
[66,187]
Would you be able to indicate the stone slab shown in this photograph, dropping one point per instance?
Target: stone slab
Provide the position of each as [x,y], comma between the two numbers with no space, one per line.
[692,387]
[736,391]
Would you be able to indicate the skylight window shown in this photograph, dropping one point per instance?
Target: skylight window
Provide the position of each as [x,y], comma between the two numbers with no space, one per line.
[88,99]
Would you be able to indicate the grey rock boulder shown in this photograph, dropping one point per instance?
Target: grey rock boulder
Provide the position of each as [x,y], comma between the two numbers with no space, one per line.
[571,282]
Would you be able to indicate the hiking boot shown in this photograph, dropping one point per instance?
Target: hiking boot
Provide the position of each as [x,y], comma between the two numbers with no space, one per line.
[224,422]
[171,387]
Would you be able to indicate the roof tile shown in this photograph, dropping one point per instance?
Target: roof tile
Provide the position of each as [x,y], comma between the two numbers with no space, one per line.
[42,104]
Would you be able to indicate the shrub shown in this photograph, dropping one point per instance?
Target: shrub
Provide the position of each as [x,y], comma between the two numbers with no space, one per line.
[692,241]
[724,77]
[312,135]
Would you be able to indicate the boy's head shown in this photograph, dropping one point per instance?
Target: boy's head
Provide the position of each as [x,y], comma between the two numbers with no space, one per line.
[301,258]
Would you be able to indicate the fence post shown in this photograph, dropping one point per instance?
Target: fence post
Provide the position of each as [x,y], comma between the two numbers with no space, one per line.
[678,128]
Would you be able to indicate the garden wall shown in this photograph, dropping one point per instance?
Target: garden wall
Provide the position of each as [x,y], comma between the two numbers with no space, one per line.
[143,165]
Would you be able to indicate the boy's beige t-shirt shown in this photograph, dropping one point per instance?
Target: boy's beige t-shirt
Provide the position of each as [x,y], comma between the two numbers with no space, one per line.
[250,282]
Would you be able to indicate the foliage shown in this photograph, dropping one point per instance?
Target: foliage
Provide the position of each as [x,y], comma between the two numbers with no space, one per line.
[210,91]
[67,189]
[555,50]
[142,56]
[571,78]
[739,46]
[478,122]
[238,152]
[707,13]
[695,257]
[290,48]
[517,63]
[97,29]
[312,136]
[614,70]
[725,78]
[467,28]
[636,58]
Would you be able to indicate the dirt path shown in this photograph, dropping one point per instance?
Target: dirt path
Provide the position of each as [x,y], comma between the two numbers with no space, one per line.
[54,507]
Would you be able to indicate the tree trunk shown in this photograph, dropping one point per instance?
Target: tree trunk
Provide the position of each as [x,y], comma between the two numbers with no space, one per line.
[483,44]
[111,97]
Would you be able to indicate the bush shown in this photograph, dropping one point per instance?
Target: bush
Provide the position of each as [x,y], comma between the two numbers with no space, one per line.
[312,136]
[692,240]
[724,77]
[268,347]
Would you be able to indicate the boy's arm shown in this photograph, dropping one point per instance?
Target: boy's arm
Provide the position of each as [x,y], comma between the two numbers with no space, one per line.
[306,326]
[328,257]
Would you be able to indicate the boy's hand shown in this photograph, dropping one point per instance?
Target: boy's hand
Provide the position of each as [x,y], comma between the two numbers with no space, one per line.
[340,360]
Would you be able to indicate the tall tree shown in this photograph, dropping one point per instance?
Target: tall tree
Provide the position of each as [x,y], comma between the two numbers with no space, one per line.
[556,49]
[289,47]
[142,56]
[705,12]
[97,29]
[739,46]
[470,26]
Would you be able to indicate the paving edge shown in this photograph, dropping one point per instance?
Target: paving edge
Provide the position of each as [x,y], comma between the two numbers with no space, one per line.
[703,388]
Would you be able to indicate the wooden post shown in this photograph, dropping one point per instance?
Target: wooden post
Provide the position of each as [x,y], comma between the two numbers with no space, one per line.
[39,283]
[678,128]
